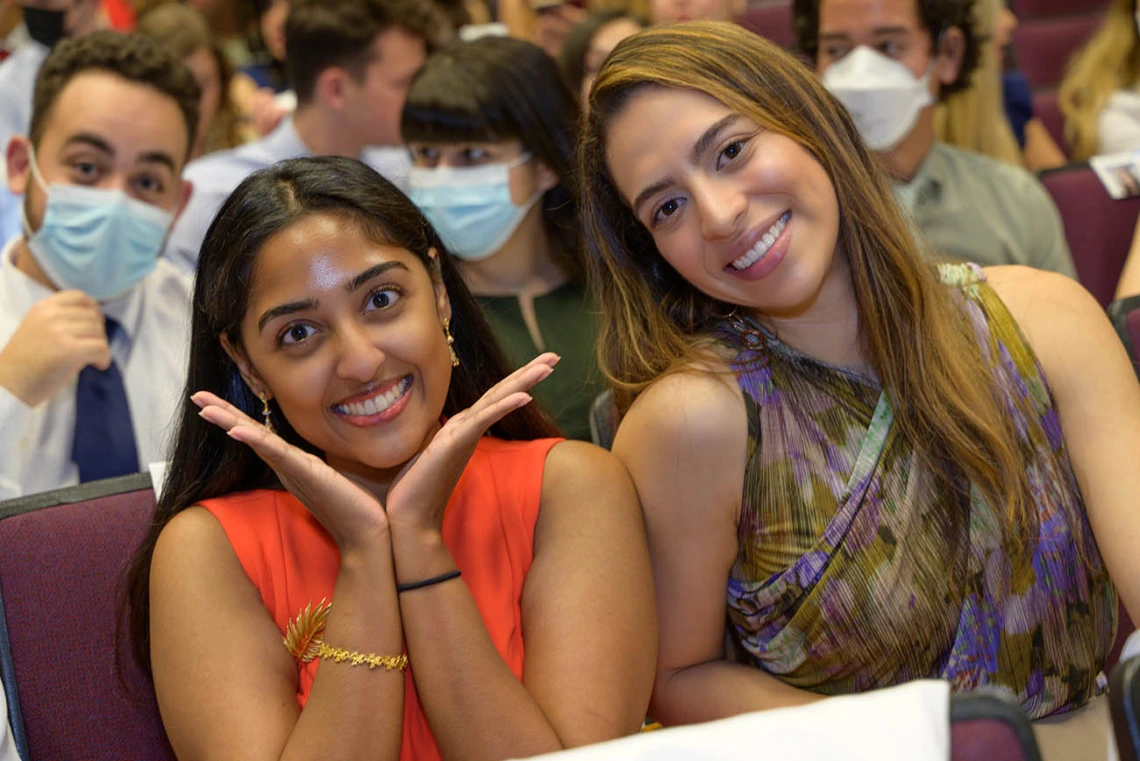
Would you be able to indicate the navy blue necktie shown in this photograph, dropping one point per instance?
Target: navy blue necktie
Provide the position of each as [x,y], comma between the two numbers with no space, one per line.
[104,438]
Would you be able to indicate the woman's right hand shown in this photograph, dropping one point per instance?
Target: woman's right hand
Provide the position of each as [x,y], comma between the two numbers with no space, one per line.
[352,516]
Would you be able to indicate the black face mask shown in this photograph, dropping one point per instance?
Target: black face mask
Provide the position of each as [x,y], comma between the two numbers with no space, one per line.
[45,27]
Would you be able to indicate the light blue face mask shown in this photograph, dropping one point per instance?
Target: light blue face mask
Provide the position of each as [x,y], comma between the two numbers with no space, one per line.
[470,207]
[101,242]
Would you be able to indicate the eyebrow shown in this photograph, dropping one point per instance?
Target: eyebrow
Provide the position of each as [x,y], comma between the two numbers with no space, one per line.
[372,272]
[301,306]
[90,139]
[159,157]
[703,142]
[99,144]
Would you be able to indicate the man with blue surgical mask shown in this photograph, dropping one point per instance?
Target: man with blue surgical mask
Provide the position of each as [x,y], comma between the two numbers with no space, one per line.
[94,326]
[889,62]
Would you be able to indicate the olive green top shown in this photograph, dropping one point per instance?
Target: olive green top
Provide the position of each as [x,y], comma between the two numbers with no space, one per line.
[568,323]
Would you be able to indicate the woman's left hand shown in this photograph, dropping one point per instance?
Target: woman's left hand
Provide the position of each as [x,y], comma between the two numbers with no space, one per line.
[418,496]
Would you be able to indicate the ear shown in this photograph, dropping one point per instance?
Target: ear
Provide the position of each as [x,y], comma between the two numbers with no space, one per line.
[245,367]
[19,159]
[948,61]
[442,302]
[331,87]
[184,198]
[547,177]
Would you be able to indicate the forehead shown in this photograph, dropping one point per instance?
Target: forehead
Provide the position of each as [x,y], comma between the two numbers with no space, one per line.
[612,33]
[131,117]
[395,49]
[320,252]
[636,156]
[866,16]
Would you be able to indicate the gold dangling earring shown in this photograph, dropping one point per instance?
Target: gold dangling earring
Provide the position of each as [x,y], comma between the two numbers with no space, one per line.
[265,412]
[450,342]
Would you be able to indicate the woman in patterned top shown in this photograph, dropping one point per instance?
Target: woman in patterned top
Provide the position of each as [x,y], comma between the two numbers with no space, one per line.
[890,471]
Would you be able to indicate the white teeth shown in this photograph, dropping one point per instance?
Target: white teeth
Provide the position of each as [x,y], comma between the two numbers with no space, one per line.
[376,404]
[757,252]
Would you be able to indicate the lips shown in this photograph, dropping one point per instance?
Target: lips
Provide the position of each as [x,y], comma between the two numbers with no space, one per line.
[376,400]
[743,246]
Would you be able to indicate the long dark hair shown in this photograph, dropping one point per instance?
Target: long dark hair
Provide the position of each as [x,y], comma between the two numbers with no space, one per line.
[206,462]
[498,88]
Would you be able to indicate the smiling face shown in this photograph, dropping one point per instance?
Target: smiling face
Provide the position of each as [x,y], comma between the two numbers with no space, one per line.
[745,215]
[346,335]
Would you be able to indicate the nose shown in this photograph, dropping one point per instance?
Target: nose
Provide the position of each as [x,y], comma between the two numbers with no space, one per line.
[721,206]
[358,356]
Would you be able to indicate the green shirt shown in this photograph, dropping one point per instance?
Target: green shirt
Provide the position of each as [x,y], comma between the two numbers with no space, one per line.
[975,209]
[568,324]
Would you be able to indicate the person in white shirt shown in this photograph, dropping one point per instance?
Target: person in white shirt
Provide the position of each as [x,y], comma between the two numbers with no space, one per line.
[46,22]
[93,324]
[351,63]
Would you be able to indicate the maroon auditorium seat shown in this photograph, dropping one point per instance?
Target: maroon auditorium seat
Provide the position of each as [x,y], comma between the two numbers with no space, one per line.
[986,728]
[1099,230]
[772,21]
[1027,10]
[62,556]
[1043,46]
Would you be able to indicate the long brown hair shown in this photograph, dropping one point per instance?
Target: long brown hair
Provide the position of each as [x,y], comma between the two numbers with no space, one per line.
[1109,62]
[913,333]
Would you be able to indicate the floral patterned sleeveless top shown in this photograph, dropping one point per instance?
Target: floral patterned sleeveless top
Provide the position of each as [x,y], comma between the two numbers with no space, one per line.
[857,569]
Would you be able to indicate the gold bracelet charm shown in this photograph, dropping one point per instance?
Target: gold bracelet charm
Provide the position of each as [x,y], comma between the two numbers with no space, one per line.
[305,641]
[340,655]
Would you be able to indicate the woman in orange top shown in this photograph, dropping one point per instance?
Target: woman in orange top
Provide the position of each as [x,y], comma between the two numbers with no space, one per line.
[325,307]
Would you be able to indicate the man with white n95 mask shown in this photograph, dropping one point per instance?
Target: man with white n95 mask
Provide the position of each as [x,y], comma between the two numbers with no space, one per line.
[890,62]
[93,324]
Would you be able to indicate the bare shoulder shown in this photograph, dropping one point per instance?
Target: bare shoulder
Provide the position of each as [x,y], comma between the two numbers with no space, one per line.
[189,534]
[1066,327]
[580,462]
[1033,294]
[685,442]
[697,406]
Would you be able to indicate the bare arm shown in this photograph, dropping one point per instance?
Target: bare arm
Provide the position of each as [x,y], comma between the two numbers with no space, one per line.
[1129,284]
[685,443]
[1041,150]
[587,622]
[226,685]
[1098,402]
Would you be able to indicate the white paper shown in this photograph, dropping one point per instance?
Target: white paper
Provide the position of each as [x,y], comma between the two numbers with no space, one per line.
[1119,173]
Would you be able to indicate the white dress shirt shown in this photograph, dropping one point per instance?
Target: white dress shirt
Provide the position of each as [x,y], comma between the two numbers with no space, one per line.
[17,81]
[1118,124]
[216,175]
[151,351]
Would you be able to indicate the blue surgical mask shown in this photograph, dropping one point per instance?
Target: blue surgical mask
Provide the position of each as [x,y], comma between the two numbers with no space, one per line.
[101,242]
[470,207]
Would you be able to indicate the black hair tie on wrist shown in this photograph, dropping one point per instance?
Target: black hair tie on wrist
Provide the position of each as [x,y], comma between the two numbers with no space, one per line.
[429,582]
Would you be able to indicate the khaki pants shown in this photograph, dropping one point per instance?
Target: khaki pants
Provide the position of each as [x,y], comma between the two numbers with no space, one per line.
[1080,735]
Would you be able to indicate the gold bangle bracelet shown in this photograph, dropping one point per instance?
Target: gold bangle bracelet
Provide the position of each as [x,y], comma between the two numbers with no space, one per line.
[340,655]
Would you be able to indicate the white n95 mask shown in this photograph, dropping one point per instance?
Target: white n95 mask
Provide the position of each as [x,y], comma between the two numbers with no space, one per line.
[881,94]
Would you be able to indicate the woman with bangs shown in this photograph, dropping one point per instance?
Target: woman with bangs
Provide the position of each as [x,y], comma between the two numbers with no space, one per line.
[878,469]
[490,125]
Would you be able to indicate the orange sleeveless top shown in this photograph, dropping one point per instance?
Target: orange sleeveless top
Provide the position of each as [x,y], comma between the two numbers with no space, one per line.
[488,527]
